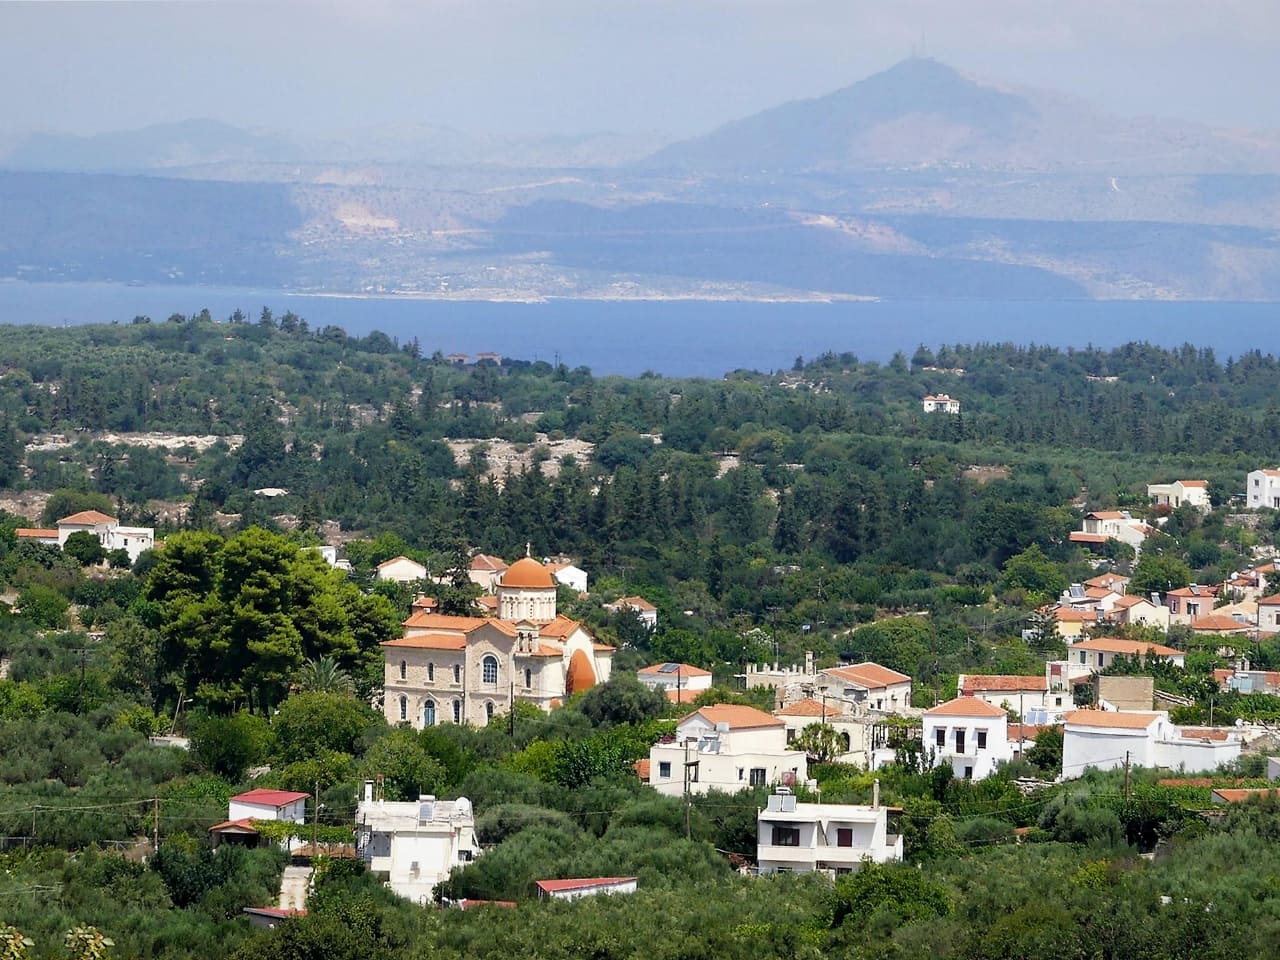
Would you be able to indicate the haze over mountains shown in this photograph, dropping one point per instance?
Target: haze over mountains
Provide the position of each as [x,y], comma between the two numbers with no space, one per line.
[918,181]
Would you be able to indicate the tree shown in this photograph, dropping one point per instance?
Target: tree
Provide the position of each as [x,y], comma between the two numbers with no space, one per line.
[228,746]
[1158,573]
[43,606]
[1046,755]
[63,503]
[408,769]
[85,547]
[902,893]
[324,676]
[308,724]
[821,742]
[624,699]
[1034,573]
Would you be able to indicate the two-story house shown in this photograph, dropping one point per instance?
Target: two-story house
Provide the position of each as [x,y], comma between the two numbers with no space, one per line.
[834,838]
[414,845]
[1017,693]
[1187,603]
[1102,525]
[680,681]
[726,747]
[450,669]
[1262,489]
[866,685]
[940,403]
[259,805]
[108,530]
[970,734]
[1098,653]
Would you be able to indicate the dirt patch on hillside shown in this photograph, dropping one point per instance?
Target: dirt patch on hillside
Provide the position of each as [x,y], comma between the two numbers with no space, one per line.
[985,474]
[503,454]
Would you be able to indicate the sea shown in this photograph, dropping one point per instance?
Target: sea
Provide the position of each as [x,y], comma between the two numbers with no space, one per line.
[684,338]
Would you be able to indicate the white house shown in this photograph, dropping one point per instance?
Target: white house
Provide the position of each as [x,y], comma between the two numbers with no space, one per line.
[244,808]
[867,685]
[112,536]
[641,607]
[414,844]
[585,887]
[401,569]
[1192,492]
[941,403]
[1263,489]
[1102,525]
[834,838]
[677,679]
[1105,739]
[1008,692]
[728,747]
[1099,653]
[569,575]
[970,734]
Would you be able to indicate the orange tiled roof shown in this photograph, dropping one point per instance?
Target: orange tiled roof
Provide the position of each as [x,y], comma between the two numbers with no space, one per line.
[684,695]
[1079,536]
[559,628]
[1229,795]
[635,603]
[1106,515]
[965,707]
[736,716]
[35,532]
[1201,590]
[429,641]
[483,561]
[1107,580]
[92,517]
[444,621]
[686,670]
[869,675]
[1194,483]
[1112,720]
[808,707]
[998,682]
[387,563]
[1215,623]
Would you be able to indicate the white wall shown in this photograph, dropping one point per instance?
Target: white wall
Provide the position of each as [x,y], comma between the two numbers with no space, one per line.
[722,770]
[296,811]
[972,762]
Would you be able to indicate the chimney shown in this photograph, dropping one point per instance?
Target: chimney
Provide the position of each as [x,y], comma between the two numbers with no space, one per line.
[808,663]
[875,794]
[368,791]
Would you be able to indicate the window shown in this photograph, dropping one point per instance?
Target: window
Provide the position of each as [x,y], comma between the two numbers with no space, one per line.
[488,711]
[1193,609]
[457,673]
[1057,701]
[1083,656]
[431,672]
[844,836]
[1101,657]
[528,677]
[982,739]
[940,736]
[757,777]
[489,669]
[457,711]
[786,836]
[664,769]
[403,669]
[968,773]
[404,708]
[429,714]
[959,741]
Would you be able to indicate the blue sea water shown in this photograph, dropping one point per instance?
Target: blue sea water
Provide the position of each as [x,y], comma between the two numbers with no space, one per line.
[679,338]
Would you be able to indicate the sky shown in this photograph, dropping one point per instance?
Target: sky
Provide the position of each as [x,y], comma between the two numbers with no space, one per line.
[674,67]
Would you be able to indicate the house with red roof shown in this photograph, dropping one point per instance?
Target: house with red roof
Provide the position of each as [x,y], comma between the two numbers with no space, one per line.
[453,669]
[1099,526]
[577,887]
[1098,653]
[1194,493]
[400,570]
[486,571]
[728,747]
[244,810]
[866,686]
[641,607]
[969,734]
[1018,693]
[675,678]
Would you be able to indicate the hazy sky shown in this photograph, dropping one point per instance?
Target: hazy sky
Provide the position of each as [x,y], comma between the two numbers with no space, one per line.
[568,66]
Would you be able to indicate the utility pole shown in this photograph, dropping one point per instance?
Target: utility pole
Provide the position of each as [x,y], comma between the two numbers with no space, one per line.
[155,825]
[1126,776]
[315,821]
[511,719]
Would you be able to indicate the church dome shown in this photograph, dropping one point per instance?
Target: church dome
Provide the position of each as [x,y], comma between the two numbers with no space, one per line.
[581,676]
[528,573]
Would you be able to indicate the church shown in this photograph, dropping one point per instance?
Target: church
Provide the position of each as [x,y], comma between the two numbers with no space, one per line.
[448,669]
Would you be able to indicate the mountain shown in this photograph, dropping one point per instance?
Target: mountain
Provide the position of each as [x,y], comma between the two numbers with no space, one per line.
[162,145]
[921,113]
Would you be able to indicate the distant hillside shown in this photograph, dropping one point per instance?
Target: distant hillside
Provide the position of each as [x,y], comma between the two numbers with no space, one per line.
[155,147]
[921,112]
